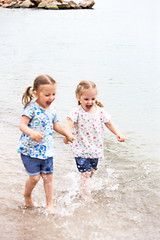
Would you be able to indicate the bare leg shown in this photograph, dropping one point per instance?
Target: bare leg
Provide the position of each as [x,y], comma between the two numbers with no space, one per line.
[49,191]
[92,172]
[85,184]
[30,184]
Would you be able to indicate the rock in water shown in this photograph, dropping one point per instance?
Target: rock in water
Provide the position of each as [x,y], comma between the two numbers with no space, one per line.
[86,3]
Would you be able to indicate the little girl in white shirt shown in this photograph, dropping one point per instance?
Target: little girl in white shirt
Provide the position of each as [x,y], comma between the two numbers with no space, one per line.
[87,122]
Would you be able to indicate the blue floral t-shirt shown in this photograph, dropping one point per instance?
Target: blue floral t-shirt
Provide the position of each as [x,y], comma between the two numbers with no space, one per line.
[41,120]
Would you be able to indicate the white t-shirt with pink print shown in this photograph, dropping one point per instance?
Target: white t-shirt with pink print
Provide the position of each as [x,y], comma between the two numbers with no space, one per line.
[88,131]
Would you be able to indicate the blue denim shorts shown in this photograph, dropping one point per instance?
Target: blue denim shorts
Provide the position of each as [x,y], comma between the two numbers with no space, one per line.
[86,164]
[36,166]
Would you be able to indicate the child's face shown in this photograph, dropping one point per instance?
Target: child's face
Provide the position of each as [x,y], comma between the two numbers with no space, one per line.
[87,100]
[45,95]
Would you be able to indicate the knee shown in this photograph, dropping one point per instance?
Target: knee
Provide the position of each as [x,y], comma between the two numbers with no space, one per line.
[35,179]
[47,178]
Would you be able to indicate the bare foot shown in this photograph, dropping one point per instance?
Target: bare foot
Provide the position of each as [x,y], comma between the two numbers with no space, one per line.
[86,193]
[24,207]
[28,202]
[87,198]
[50,211]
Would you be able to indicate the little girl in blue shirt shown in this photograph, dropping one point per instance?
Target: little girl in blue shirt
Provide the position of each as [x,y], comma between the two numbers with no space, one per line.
[36,142]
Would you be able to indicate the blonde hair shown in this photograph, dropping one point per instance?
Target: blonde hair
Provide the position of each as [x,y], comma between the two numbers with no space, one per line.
[82,87]
[40,80]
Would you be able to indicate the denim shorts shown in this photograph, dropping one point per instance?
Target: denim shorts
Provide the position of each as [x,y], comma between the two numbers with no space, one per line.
[36,166]
[86,164]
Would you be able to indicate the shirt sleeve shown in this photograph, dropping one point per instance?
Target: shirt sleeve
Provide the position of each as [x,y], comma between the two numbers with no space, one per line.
[55,117]
[28,111]
[105,116]
[73,115]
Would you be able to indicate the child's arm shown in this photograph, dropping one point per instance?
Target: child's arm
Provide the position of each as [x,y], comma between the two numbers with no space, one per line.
[68,127]
[58,128]
[23,126]
[114,130]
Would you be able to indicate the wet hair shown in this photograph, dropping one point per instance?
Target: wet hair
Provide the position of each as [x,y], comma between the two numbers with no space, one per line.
[28,95]
[82,87]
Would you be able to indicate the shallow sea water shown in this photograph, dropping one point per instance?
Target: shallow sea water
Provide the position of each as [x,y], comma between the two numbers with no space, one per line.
[117,46]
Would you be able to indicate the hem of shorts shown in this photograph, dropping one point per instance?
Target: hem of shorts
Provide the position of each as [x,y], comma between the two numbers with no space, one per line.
[84,171]
[47,172]
[33,174]
[38,173]
[89,170]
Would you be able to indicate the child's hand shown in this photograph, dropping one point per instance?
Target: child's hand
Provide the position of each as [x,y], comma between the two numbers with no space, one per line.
[68,139]
[121,138]
[65,140]
[37,136]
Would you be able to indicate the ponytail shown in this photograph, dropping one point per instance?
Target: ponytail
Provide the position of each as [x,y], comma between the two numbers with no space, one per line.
[99,104]
[27,96]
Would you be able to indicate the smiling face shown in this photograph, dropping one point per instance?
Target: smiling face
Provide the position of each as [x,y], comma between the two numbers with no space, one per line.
[88,99]
[45,95]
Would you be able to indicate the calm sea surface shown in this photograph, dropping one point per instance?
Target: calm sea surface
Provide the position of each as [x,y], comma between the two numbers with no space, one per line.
[116,45]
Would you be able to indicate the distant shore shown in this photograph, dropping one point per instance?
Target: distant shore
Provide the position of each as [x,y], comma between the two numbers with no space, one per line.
[47,4]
